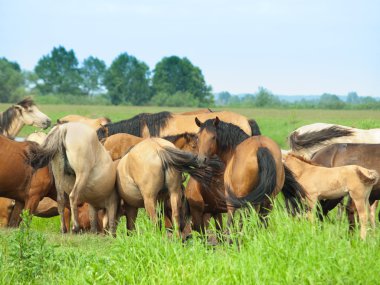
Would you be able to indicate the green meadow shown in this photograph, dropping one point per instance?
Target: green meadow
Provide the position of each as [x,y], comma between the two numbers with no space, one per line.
[289,251]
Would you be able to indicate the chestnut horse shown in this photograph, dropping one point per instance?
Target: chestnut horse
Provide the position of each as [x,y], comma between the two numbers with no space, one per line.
[84,170]
[328,183]
[365,155]
[167,124]
[23,113]
[307,140]
[254,170]
[93,123]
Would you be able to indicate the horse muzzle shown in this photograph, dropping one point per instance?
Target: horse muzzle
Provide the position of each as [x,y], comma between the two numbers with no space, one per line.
[202,161]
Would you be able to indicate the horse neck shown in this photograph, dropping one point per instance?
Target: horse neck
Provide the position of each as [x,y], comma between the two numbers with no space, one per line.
[297,166]
[226,155]
[14,127]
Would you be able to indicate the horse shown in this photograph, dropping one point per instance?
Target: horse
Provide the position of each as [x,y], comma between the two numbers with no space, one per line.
[82,169]
[93,123]
[167,124]
[23,113]
[161,178]
[254,170]
[325,183]
[365,155]
[308,139]
[6,207]
[19,162]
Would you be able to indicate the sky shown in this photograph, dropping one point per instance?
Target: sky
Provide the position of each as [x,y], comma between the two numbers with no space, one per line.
[290,47]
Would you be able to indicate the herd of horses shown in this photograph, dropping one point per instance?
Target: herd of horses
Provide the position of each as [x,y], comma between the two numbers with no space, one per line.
[92,171]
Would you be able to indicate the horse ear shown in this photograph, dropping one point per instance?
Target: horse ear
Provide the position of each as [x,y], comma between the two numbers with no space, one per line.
[18,107]
[199,124]
[216,122]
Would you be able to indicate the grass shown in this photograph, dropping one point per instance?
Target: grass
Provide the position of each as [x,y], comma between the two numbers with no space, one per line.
[289,251]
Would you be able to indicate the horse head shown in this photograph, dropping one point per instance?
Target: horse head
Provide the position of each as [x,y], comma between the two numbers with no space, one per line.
[31,115]
[207,140]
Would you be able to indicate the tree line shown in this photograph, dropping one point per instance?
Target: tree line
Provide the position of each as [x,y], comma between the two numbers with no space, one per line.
[174,81]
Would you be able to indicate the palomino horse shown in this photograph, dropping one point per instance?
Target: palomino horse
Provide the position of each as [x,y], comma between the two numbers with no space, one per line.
[23,113]
[93,123]
[167,124]
[365,155]
[327,183]
[144,179]
[307,140]
[254,169]
[83,169]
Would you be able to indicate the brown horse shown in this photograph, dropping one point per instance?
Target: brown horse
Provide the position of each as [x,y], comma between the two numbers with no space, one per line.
[365,155]
[327,183]
[82,169]
[167,124]
[254,169]
[93,123]
[144,179]
[23,113]
[6,207]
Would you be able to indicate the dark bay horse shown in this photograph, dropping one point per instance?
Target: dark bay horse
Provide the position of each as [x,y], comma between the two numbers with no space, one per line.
[23,113]
[365,155]
[167,124]
[254,170]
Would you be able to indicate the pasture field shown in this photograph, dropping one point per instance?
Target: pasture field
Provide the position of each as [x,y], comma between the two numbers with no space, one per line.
[289,251]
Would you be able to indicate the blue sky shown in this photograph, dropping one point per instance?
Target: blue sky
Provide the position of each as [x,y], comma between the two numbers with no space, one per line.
[289,47]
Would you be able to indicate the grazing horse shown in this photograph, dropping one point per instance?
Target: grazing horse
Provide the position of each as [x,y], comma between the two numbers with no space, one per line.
[328,183]
[156,175]
[365,155]
[307,140]
[83,169]
[254,170]
[93,123]
[23,113]
[167,124]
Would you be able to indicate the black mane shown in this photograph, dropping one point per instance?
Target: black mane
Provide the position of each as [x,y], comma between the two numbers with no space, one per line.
[310,139]
[228,135]
[135,125]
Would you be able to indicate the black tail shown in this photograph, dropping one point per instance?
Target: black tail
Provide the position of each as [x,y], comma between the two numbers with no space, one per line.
[254,127]
[267,181]
[184,161]
[293,192]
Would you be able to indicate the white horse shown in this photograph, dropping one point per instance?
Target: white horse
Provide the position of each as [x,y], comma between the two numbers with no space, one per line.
[84,170]
[23,113]
[307,140]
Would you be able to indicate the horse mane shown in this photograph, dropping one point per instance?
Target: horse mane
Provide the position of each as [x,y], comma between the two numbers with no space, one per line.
[135,125]
[310,139]
[9,115]
[228,135]
[299,157]
[174,138]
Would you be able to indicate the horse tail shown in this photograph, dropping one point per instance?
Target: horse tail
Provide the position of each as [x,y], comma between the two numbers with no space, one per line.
[53,144]
[293,192]
[267,181]
[254,127]
[183,161]
[368,176]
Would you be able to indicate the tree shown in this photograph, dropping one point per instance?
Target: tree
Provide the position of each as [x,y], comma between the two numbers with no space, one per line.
[11,81]
[223,98]
[174,74]
[353,98]
[330,101]
[265,98]
[127,80]
[58,72]
[93,71]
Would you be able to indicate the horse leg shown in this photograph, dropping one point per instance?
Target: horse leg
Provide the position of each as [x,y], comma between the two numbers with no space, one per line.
[61,210]
[175,205]
[15,217]
[93,215]
[362,207]
[350,209]
[131,215]
[150,204]
[265,208]
[373,208]
[218,222]
[80,183]
[112,207]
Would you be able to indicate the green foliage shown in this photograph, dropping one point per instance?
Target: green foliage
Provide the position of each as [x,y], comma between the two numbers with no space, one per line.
[127,81]
[11,81]
[176,100]
[174,74]
[58,72]
[93,71]
[330,101]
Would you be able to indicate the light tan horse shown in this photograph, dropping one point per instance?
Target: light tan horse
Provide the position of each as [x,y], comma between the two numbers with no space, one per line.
[330,183]
[84,170]
[155,175]
[93,123]
[23,113]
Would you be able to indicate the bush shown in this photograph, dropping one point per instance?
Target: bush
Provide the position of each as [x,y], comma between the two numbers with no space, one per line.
[179,99]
